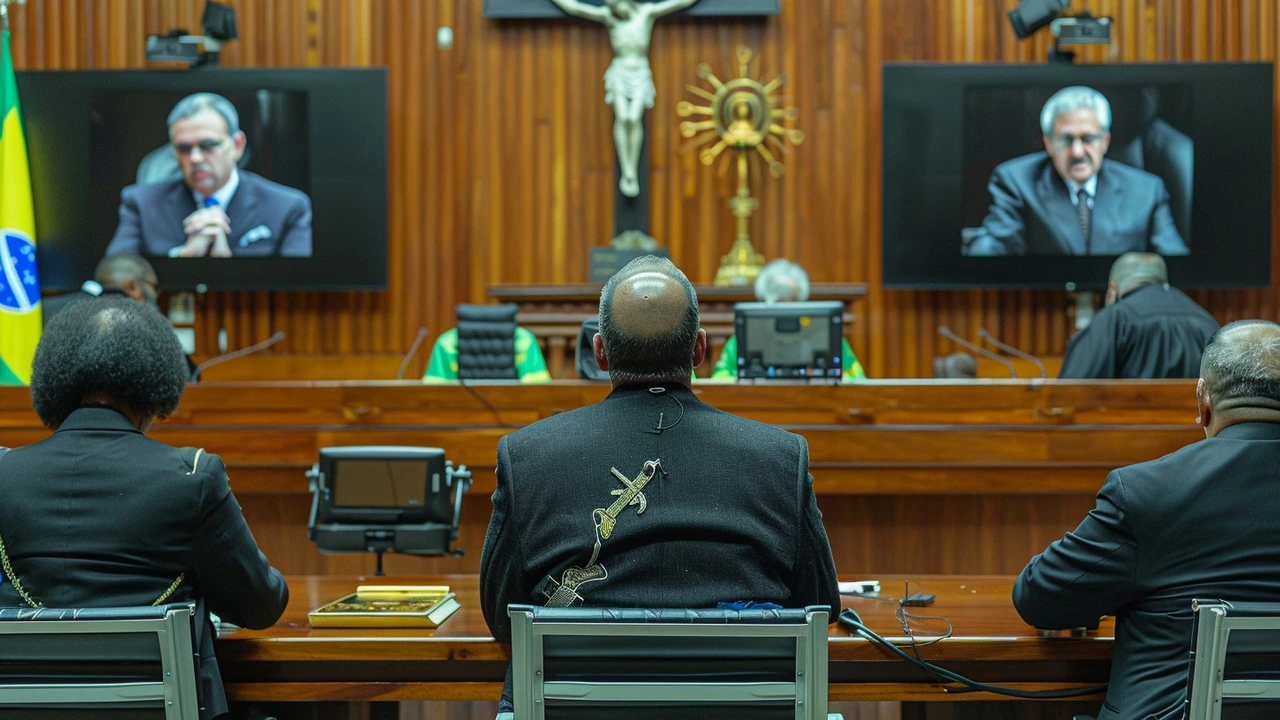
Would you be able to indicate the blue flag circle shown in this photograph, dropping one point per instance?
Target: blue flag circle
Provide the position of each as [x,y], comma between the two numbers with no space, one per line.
[19,283]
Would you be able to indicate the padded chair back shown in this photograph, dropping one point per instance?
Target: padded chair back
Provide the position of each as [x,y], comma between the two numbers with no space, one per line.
[731,664]
[585,355]
[487,342]
[98,663]
[1235,661]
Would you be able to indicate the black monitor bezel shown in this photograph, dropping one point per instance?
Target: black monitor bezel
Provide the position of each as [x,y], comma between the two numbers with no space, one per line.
[348,160]
[438,507]
[825,308]
[915,100]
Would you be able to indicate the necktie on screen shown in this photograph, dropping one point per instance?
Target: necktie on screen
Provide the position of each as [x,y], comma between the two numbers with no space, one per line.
[1086,216]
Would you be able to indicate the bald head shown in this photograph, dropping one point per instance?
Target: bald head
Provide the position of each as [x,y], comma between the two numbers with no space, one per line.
[127,273]
[115,270]
[1240,375]
[1133,270]
[649,323]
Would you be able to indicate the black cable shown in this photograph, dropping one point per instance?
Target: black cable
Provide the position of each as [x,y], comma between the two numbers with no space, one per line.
[660,427]
[905,618]
[850,619]
[497,416]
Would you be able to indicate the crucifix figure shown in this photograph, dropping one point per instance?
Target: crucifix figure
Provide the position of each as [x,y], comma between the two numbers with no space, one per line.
[628,83]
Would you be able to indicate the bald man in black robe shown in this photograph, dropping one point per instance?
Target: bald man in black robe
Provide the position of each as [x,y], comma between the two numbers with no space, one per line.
[715,507]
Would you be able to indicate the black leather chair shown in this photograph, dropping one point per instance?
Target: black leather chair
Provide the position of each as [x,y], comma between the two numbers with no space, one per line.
[1142,139]
[487,342]
[642,664]
[1235,661]
[585,354]
[98,663]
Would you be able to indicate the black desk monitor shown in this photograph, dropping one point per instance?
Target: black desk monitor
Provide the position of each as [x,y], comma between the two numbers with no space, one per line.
[794,340]
[379,498]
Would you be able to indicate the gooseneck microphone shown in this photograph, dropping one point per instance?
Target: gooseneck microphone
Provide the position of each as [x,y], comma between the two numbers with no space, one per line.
[945,332]
[413,350]
[982,332]
[195,375]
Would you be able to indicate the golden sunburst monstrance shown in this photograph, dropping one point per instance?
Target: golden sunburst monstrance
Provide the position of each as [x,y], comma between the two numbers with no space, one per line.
[742,114]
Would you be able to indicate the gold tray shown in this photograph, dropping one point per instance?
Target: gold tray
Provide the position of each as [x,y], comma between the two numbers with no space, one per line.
[388,606]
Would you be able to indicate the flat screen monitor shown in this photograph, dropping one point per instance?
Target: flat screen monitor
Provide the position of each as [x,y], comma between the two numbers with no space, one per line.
[302,185]
[385,485]
[793,340]
[983,178]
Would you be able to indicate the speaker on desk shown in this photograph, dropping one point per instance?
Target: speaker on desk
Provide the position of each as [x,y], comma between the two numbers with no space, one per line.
[585,354]
[487,342]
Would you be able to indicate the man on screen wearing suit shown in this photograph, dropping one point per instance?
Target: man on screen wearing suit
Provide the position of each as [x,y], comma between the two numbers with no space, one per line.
[1069,200]
[214,209]
[720,508]
[1197,523]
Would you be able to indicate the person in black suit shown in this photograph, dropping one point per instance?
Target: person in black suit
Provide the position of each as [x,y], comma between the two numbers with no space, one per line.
[123,275]
[215,209]
[725,510]
[1147,329]
[99,515]
[1070,200]
[1197,523]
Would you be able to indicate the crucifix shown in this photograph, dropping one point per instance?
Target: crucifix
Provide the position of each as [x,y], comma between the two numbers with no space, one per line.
[628,81]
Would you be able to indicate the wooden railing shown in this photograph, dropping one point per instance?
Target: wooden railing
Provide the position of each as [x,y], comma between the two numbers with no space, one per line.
[916,477]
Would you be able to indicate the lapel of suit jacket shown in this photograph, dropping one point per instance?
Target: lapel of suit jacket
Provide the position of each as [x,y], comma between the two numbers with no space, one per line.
[1060,212]
[241,209]
[1107,201]
[179,203]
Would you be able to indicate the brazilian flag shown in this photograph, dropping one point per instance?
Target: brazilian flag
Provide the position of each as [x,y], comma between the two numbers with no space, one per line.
[19,280]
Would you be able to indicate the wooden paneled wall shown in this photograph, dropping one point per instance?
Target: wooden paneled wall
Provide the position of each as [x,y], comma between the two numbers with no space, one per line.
[502,162]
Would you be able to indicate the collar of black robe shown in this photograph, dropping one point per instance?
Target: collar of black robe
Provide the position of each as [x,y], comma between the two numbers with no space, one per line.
[1250,431]
[97,417]
[669,389]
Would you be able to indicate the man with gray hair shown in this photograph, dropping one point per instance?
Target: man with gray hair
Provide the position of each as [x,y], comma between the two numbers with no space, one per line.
[651,498]
[1197,523]
[1147,329]
[1070,200]
[783,281]
[215,209]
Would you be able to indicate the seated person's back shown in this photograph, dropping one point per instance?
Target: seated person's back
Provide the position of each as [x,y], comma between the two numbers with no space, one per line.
[99,515]
[1197,523]
[1147,330]
[727,513]
[783,281]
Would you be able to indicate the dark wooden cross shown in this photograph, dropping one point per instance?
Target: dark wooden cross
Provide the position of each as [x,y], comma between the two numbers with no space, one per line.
[632,213]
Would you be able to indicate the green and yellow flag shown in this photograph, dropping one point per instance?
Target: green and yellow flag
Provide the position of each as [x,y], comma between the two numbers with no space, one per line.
[19,281]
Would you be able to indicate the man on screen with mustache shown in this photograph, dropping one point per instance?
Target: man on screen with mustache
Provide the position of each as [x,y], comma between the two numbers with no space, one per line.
[1069,200]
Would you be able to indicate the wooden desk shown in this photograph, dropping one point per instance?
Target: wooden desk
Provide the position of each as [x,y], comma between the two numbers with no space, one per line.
[461,661]
[554,313]
[912,476]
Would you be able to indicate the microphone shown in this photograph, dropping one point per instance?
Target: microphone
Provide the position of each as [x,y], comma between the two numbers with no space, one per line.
[413,350]
[945,332]
[195,375]
[982,332]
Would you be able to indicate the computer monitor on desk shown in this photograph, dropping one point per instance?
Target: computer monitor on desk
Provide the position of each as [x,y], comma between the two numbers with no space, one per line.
[380,498]
[792,341]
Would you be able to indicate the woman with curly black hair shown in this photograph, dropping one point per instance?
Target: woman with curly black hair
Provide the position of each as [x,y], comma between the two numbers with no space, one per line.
[99,515]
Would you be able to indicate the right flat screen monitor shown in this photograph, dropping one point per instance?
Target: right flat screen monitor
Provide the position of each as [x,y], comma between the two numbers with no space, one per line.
[1039,176]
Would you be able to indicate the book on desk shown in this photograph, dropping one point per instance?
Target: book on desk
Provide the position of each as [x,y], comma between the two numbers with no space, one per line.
[388,606]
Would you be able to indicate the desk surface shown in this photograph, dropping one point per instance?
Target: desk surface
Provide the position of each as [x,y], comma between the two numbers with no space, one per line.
[461,661]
